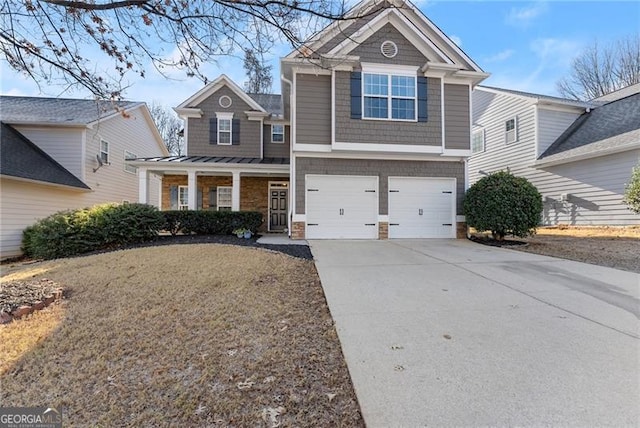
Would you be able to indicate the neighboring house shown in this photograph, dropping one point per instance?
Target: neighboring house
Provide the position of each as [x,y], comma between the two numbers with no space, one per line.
[369,139]
[579,155]
[49,152]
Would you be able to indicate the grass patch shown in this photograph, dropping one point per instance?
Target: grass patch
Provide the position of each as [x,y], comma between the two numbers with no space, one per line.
[195,335]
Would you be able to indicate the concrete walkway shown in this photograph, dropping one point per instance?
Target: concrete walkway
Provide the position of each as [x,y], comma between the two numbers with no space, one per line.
[451,333]
[279,239]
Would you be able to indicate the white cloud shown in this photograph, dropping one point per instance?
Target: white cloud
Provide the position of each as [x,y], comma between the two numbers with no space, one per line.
[524,16]
[500,56]
[455,39]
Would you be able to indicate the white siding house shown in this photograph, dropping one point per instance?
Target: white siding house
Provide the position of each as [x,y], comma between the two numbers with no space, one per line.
[579,155]
[49,163]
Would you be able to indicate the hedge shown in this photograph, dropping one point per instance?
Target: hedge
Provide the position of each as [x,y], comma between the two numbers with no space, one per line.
[210,222]
[68,233]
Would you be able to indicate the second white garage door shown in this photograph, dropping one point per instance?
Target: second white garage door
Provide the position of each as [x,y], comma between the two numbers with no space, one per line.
[341,207]
[422,207]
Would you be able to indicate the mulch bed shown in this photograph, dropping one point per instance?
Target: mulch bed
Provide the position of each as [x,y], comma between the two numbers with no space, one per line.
[20,298]
[487,240]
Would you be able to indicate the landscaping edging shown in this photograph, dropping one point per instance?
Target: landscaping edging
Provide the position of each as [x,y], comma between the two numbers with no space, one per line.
[52,294]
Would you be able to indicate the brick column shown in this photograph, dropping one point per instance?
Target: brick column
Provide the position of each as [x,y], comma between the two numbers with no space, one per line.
[297,230]
[383,230]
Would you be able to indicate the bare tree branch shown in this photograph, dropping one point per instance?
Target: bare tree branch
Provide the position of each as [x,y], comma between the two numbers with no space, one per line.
[598,71]
[97,45]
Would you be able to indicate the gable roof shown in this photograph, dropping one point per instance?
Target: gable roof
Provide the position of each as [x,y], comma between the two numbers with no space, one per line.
[548,99]
[190,105]
[58,111]
[620,93]
[22,159]
[369,16]
[611,128]
[272,103]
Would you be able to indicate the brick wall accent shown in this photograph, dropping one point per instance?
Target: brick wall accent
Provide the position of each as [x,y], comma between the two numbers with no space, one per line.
[461,230]
[254,192]
[383,230]
[297,230]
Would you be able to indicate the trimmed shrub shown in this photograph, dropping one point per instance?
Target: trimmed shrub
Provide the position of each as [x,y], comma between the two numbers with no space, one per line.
[69,233]
[632,191]
[210,222]
[503,204]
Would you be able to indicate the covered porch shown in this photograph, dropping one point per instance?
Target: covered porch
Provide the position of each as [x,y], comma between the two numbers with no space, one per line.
[222,184]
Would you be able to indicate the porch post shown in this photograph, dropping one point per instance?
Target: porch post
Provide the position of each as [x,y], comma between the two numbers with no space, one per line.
[235,192]
[143,185]
[192,192]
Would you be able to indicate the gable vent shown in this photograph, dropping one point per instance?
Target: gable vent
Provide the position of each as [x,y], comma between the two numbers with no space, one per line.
[225,101]
[389,49]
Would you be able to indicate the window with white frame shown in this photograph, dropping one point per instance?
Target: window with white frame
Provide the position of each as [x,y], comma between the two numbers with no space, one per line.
[104,152]
[389,96]
[225,125]
[277,133]
[511,130]
[183,198]
[224,198]
[127,166]
[477,141]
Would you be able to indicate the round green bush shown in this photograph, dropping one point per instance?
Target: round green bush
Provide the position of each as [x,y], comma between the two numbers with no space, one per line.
[503,204]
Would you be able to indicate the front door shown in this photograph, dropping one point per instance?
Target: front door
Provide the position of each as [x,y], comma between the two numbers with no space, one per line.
[278,208]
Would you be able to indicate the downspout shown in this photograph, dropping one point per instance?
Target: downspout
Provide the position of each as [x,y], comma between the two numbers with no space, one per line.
[292,179]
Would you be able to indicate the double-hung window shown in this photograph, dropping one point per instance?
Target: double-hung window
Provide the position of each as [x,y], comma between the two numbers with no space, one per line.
[389,96]
[225,127]
[183,197]
[477,141]
[224,198]
[104,152]
[277,133]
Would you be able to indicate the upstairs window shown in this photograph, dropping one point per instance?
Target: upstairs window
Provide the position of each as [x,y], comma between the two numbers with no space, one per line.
[389,96]
[224,131]
[477,141]
[128,167]
[104,152]
[511,130]
[277,133]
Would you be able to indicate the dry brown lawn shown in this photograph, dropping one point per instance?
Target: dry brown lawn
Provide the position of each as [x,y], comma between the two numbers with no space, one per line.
[190,335]
[616,247]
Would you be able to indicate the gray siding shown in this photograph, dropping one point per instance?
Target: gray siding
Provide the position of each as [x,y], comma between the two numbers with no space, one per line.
[313,109]
[369,50]
[387,132]
[551,124]
[276,150]
[381,168]
[456,117]
[595,186]
[491,111]
[595,189]
[198,129]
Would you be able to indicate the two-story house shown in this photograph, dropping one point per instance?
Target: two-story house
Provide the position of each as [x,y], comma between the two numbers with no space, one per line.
[369,141]
[579,155]
[59,154]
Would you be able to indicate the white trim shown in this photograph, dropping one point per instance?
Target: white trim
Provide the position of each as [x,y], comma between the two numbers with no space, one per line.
[261,139]
[224,116]
[311,147]
[456,152]
[442,118]
[272,133]
[143,184]
[389,71]
[515,130]
[235,191]
[470,95]
[225,97]
[404,70]
[185,137]
[299,217]
[383,218]
[213,87]
[314,69]
[395,18]
[536,130]
[420,157]
[192,195]
[218,197]
[333,106]
[186,113]
[536,98]
[100,151]
[399,148]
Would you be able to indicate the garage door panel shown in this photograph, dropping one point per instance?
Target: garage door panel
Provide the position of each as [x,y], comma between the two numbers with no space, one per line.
[421,207]
[341,207]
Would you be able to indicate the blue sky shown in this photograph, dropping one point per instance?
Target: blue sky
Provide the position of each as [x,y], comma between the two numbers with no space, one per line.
[524,45]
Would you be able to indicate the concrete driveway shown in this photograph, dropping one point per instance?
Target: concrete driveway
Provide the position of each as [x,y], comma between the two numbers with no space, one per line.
[451,333]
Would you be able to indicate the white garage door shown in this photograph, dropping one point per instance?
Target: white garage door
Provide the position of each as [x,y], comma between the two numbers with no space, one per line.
[422,207]
[341,207]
